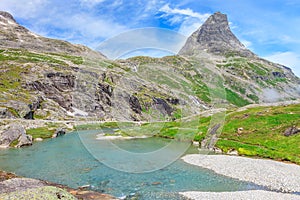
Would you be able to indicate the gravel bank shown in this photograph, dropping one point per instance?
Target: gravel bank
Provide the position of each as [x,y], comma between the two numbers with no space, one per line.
[272,174]
[240,195]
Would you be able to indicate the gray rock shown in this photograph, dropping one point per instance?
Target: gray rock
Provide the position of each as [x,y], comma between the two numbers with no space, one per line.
[135,104]
[162,106]
[11,134]
[19,184]
[20,107]
[291,131]
[59,132]
[6,114]
[278,74]
[24,140]
[215,36]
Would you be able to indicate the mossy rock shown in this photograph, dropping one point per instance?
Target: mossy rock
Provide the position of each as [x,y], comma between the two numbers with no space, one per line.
[41,193]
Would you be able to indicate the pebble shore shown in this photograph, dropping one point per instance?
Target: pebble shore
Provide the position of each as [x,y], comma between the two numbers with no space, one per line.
[277,176]
[240,195]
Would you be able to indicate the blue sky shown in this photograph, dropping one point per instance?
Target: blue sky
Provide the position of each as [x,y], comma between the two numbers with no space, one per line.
[270,28]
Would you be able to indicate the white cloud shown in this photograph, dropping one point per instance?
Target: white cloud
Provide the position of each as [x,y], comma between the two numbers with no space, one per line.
[189,26]
[86,29]
[188,12]
[247,43]
[93,27]
[150,41]
[24,8]
[189,19]
[289,59]
[72,25]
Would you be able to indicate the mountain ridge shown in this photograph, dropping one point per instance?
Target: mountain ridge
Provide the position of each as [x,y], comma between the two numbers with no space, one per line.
[13,35]
[57,79]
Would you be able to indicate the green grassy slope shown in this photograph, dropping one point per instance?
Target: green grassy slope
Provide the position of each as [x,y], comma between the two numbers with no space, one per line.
[262,134]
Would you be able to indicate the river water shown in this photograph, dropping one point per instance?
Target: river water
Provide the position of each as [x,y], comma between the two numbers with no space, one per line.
[65,160]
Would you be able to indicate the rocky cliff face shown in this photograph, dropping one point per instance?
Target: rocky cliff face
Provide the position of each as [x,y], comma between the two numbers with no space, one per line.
[215,36]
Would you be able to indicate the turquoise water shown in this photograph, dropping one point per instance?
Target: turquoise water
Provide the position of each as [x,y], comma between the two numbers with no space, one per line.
[65,160]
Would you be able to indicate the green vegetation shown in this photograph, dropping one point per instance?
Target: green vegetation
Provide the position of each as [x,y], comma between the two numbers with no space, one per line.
[14,143]
[262,133]
[95,126]
[235,99]
[10,83]
[24,56]
[253,97]
[40,132]
[74,59]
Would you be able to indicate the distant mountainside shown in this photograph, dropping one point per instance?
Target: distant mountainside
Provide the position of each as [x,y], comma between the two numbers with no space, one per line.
[44,78]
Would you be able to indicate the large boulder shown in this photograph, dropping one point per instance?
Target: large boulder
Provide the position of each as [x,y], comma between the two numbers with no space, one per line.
[21,108]
[13,133]
[59,132]
[19,184]
[24,140]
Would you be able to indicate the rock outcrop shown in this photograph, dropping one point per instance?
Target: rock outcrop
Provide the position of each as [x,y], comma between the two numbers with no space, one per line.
[59,132]
[215,36]
[291,131]
[13,187]
[5,113]
[15,132]
[24,140]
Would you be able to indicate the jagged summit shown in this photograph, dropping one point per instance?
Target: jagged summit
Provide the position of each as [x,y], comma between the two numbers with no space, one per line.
[214,36]
[6,16]
[13,35]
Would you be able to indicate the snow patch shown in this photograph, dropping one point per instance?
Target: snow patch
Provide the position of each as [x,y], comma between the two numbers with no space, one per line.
[77,112]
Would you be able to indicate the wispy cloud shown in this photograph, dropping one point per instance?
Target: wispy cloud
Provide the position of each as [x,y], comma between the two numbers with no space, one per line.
[70,22]
[289,59]
[93,2]
[186,12]
[188,19]
[24,9]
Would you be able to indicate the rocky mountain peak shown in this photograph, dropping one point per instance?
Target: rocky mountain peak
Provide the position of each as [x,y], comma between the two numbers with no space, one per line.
[6,16]
[215,36]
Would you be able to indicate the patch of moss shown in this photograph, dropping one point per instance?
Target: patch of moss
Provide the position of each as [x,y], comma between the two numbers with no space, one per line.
[40,132]
[14,143]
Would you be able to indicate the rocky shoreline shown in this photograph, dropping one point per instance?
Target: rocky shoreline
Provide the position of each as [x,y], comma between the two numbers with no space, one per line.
[14,187]
[281,178]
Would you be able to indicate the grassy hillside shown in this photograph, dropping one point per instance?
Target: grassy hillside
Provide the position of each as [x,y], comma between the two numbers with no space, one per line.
[261,135]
